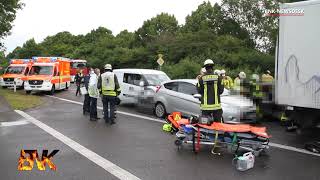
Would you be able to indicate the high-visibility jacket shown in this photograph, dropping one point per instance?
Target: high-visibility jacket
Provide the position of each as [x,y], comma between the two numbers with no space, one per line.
[92,88]
[227,82]
[109,84]
[210,87]
[266,78]
[237,84]
[255,89]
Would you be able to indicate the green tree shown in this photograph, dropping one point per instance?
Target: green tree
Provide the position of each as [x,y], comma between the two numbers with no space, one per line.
[8,9]
[162,23]
[249,14]
[3,62]
[29,49]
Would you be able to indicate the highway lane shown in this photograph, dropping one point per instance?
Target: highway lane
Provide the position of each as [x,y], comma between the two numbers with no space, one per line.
[136,145]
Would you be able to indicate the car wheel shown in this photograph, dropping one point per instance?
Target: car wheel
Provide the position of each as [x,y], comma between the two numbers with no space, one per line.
[52,90]
[160,110]
[4,87]
[28,92]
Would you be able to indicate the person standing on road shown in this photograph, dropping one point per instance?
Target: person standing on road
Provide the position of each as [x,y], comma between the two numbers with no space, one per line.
[202,72]
[108,82]
[78,80]
[94,95]
[266,77]
[226,80]
[86,102]
[210,87]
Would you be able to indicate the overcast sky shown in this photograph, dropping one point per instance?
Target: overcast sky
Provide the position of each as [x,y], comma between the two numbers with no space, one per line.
[40,18]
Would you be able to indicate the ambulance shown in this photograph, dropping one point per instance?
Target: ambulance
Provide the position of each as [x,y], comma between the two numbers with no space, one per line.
[48,74]
[15,73]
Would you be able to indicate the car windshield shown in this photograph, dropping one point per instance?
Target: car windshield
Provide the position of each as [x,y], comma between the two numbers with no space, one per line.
[41,70]
[78,64]
[15,70]
[156,79]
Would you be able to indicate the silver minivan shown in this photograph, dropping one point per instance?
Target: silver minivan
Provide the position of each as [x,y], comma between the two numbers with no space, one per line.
[138,84]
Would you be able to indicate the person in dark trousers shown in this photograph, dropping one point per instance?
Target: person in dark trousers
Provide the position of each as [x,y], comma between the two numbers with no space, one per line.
[94,95]
[78,80]
[210,87]
[109,85]
[86,102]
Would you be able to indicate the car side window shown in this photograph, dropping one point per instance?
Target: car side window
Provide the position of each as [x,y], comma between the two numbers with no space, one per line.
[187,88]
[133,79]
[173,86]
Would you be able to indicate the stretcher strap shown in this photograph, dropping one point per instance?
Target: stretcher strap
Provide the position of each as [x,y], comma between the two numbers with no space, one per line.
[215,144]
[198,141]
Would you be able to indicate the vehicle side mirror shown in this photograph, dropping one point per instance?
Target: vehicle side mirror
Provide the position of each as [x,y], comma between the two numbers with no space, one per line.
[197,96]
[141,84]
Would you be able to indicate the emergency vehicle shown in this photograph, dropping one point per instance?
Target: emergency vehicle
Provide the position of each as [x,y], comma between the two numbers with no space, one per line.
[77,65]
[48,74]
[15,73]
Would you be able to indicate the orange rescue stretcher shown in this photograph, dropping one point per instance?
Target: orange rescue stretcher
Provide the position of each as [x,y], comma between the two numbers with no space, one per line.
[234,137]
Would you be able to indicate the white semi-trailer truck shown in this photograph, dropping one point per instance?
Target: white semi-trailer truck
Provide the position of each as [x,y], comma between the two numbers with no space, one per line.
[297,67]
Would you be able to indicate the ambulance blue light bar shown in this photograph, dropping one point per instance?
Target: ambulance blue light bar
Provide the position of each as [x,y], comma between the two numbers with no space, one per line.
[47,59]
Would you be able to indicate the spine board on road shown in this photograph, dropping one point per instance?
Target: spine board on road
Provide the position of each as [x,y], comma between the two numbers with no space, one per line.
[233,137]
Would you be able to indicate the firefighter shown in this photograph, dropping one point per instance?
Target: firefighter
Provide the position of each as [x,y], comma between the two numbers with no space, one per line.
[238,81]
[78,79]
[217,72]
[256,93]
[86,102]
[267,81]
[108,82]
[267,77]
[202,72]
[210,88]
[226,80]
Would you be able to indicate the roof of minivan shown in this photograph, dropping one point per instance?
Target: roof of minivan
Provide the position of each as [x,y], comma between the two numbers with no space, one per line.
[140,71]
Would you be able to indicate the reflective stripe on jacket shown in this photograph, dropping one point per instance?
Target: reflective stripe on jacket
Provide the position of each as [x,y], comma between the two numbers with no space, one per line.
[210,87]
[227,82]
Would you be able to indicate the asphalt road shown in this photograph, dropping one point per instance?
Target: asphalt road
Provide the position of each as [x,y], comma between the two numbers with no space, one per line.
[136,145]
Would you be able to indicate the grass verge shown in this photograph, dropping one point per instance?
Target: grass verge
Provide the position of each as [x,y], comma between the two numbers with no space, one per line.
[19,100]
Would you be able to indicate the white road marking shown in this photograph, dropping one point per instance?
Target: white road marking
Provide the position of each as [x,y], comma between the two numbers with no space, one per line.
[13,123]
[119,112]
[290,148]
[280,146]
[94,157]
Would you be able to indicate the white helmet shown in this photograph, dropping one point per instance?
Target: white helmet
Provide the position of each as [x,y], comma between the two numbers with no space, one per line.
[223,71]
[108,66]
[217,72]
[255,77]
[203,70]
[242,75]
[208,62]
